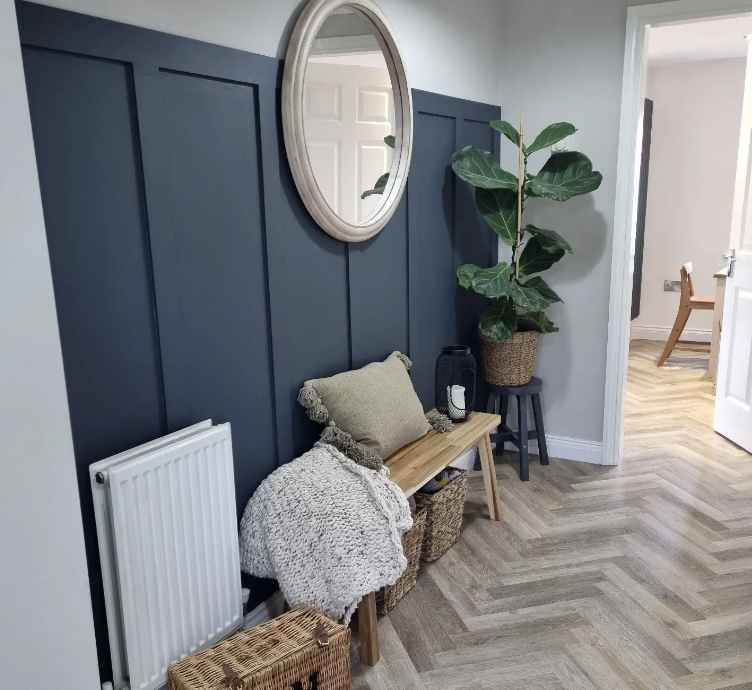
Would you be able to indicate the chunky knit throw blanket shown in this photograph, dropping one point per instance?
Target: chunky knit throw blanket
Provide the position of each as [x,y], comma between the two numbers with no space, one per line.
[328,530]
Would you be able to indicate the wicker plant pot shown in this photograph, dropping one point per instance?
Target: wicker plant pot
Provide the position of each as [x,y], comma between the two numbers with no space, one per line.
[443,517]
[509,362]
[281,654]
[412,541]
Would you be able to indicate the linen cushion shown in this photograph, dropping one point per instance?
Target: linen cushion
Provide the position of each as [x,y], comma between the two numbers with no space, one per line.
[376,405]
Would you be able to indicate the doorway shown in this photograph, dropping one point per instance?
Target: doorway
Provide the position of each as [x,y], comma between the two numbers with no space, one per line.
[671,52]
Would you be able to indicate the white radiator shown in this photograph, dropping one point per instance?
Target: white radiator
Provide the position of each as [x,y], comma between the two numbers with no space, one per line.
[168,544]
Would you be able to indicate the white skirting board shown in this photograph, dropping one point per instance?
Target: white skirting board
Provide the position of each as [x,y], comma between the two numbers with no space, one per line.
[572,449]
[698,335]
[566,448]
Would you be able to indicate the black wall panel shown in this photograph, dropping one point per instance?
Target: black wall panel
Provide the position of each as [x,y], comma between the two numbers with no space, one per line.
[190,281]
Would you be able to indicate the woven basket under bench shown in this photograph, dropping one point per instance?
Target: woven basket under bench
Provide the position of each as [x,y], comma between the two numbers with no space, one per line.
[412,542]
[444,511]
[283,654]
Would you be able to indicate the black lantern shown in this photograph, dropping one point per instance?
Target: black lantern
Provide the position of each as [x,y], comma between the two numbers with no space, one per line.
[455,382]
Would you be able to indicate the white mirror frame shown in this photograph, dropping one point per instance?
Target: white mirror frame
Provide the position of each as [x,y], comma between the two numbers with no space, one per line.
[301,42]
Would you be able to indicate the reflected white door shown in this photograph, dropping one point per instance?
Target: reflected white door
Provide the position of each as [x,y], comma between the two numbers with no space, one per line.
[733,402]
[348,112]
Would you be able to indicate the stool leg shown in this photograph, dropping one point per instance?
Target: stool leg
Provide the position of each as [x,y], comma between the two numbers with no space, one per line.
[540,429]
[493,402]
[522,426]
[500,445]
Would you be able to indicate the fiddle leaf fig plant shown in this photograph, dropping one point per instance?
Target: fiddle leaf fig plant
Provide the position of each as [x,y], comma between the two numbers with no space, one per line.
[519,300]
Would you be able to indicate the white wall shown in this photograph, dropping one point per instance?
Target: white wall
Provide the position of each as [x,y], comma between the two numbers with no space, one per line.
[563,61]
[696,118]
[45,609]
[450,47]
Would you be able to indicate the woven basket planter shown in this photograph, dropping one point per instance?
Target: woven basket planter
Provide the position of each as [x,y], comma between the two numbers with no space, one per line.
[509,362]
[443,517]
[412,541]
[281,654]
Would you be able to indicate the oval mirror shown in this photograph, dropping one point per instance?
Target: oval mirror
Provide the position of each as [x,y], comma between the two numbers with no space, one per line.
[347,117]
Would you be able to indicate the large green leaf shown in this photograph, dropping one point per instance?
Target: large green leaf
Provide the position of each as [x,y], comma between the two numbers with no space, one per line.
[548,238]
[499,321]
[552,134]
[535,321]
[508,130]
[389,140]
[565,175]
[499,208]
[530,297]
[465,275]
[536,257]
[543,289]
[378,188]
[481,169]
[490,282]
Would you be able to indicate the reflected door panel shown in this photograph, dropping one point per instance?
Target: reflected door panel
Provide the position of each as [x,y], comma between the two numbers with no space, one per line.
[349,109]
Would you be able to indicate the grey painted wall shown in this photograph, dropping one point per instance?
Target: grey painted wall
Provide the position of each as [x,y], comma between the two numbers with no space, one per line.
[190,281]
[450,47]
[45,607]
[563,61]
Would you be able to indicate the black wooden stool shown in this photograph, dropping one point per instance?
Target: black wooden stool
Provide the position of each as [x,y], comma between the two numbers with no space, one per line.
[499,396]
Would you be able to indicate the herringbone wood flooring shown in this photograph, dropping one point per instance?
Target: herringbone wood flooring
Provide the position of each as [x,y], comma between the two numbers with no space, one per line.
[636,577]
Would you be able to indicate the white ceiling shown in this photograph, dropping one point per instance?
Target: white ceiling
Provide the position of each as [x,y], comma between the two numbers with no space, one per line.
[709,40]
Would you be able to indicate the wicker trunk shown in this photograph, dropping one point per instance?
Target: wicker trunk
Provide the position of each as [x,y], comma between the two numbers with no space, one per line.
[509,362]
[412,541]
[443,517]
[282,654]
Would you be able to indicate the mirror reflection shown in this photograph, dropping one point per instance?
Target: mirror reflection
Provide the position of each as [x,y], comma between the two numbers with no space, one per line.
[349,116]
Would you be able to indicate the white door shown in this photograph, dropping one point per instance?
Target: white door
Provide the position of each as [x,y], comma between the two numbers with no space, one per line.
[348,112]
[733,402]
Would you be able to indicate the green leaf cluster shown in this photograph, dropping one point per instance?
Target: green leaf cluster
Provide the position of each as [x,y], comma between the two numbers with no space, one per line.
[520,305]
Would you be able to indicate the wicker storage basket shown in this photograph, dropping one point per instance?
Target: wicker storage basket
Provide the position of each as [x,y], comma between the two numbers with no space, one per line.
[412,540]
[509,362]
[279,655]
[443,516]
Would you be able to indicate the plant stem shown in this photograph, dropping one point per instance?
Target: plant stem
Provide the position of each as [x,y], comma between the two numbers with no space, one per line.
[520,184]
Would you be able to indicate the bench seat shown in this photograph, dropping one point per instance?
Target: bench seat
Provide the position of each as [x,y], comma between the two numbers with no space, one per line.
[415,465]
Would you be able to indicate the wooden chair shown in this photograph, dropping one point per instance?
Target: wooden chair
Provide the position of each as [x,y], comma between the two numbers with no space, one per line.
[415,465]
[687,303]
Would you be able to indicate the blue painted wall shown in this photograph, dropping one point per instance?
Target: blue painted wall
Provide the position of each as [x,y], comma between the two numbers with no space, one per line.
[190,281]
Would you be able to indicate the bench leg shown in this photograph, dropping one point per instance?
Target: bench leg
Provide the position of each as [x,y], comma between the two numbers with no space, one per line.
[489,477]
[368,630]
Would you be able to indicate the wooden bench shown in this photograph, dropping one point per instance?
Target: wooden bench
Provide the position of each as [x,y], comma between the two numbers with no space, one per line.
[414,466]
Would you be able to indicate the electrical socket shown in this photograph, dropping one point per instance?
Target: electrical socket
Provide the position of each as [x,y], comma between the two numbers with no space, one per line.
[672,286]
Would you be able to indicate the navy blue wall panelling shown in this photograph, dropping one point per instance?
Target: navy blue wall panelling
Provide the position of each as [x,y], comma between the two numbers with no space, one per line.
[190,281]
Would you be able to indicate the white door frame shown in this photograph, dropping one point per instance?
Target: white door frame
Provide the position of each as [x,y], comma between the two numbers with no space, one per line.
[638,19]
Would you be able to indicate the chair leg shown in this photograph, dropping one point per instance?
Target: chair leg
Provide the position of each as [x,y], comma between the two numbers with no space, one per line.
[368,630]
[539,428]
[676,331]
[523,429]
